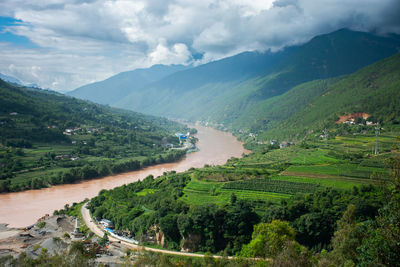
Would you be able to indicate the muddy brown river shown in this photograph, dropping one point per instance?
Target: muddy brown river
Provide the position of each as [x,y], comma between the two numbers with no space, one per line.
[24,208]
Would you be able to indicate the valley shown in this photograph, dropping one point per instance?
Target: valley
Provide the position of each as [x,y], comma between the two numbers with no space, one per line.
[49,139]
[216,148]
[298,160]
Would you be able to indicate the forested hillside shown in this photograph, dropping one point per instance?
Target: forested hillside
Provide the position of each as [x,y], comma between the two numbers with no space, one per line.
[225,90]
[48,138]
[373,90]
[320,203]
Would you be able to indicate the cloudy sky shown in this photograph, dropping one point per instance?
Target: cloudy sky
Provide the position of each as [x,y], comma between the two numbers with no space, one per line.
[63,44]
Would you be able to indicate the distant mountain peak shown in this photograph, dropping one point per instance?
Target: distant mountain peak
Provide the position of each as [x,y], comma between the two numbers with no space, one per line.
[10,79]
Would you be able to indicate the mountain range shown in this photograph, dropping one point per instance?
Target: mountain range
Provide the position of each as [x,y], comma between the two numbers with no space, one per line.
[119,86]
[252,91]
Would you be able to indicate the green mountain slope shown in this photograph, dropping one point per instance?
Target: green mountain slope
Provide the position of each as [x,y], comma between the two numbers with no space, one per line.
[329,55]
[223,91]
[174,93]
[120,85]
[47,138]
[374,89]
[269,113]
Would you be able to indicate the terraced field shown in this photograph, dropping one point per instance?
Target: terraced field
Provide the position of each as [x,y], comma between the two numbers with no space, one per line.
[270,176]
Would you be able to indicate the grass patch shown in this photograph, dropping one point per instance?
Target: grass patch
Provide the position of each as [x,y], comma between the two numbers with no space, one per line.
[146,192]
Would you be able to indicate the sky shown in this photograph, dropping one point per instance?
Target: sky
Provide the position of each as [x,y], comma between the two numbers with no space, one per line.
[64,44]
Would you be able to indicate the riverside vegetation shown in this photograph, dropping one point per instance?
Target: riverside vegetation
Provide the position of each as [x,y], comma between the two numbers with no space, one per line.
[324,200]
[48,139]
[310,203]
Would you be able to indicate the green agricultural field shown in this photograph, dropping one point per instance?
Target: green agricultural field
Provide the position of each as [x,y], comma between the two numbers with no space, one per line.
[200,192]
[345,170]
[269,185]
[269,175]
[313,156]
[338,183]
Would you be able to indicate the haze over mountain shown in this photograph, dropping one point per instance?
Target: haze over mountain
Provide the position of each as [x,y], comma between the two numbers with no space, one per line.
[236,90]
[119,86]
[10,79]
[65,44]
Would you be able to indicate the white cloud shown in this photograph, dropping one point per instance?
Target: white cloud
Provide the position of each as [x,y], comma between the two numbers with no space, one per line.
[82,41]
[177,54]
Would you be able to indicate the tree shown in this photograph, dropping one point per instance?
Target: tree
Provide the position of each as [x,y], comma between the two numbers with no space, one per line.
[268,239]
[5,185]
[346,240]
[233,198]
[382,243]
[169,227]
[238,222]
[103,241]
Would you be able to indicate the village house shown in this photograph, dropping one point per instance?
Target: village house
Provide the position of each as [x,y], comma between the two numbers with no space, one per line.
[284,144]
[107,223]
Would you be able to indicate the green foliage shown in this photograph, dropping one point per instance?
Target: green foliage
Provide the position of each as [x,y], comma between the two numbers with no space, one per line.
[372,241]
[372,90]
[268,239]
[269,113]
[209,227]
[245,93]
[269,185]
[41,224]
[314,216]
[104,240]
[159,259]
[48,139]
[381,243]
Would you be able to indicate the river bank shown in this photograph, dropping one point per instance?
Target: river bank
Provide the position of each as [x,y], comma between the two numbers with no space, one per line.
[24,208]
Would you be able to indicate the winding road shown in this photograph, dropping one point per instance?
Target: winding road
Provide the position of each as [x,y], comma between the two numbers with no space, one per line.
[100,232]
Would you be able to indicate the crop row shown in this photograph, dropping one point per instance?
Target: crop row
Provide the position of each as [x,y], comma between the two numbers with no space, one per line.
[268,185]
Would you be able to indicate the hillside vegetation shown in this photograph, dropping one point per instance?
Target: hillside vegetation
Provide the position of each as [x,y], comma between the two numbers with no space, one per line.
[373,90]
[235,91]
[48,138]
[321,199]
[313,191]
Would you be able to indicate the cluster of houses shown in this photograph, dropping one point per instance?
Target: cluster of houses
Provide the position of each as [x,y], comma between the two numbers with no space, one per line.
[182,137]
[282,144]
[108,226]
[351,118]
[74,142]
[59,157]
[71,131]
[76,130]
[352,122]
[106,223]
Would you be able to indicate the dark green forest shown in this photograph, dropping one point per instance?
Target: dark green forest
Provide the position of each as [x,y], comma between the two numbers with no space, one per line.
[48,138]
